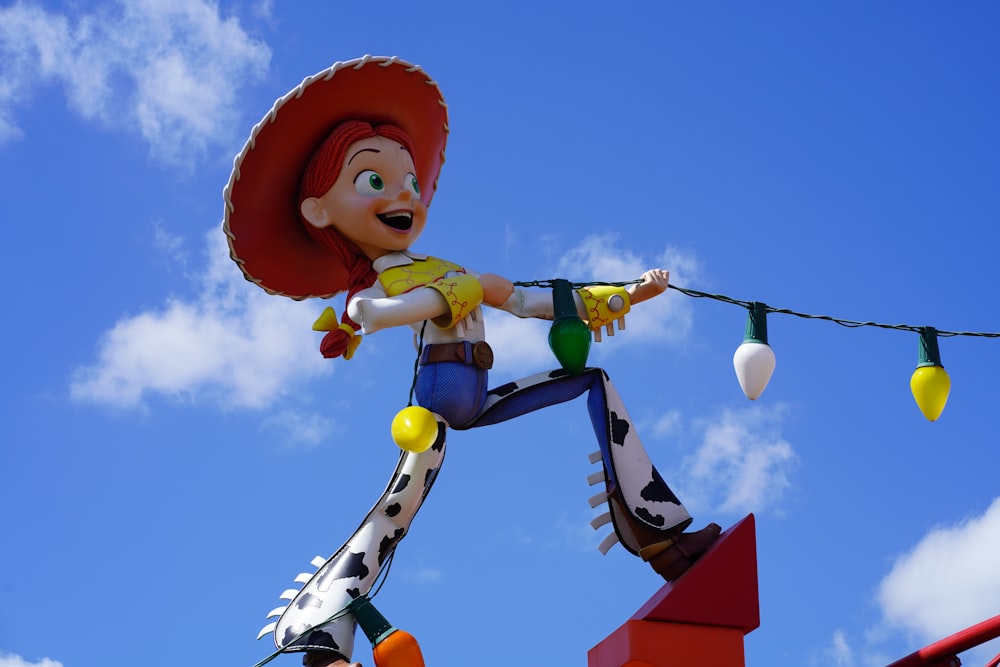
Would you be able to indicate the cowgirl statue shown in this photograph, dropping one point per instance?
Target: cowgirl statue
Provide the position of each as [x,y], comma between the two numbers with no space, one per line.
[328,195]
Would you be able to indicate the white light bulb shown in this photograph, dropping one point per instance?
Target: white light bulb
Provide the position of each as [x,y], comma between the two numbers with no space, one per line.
[754,364]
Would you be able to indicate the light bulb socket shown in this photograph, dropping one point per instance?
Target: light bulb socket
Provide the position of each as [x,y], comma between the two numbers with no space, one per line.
[372,622]
[563,304]
[756,331]
[928,353]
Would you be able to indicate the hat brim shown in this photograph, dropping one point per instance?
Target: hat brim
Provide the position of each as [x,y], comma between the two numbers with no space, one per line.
[266,235]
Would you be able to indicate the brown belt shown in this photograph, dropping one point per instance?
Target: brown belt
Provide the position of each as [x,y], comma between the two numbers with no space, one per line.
[473,354]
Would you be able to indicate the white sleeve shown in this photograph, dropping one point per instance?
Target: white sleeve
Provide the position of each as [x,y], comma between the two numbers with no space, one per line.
[373,310]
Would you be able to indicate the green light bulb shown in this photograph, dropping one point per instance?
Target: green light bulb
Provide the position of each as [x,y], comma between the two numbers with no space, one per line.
[569,336]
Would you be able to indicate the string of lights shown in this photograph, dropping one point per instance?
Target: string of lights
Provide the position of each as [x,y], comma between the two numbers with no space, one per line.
[836,320]
[754,359]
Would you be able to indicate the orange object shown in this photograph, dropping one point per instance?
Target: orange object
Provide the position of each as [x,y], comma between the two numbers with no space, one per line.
[661,644]
[398,649]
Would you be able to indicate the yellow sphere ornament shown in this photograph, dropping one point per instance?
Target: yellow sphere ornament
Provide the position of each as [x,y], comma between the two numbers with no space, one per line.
[930,386]
[414,429]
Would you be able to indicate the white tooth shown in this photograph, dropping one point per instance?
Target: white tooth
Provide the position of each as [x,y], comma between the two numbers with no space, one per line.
[318,562]
[277,611]
[303,578]
[289,594]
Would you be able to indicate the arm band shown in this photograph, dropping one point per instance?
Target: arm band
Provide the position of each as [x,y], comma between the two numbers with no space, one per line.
[604,304]
[463,294]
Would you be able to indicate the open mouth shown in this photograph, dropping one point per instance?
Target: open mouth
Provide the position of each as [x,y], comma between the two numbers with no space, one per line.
[399,220]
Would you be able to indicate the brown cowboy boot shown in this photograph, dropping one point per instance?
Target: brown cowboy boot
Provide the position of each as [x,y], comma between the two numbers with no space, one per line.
[669,551]
[672,557]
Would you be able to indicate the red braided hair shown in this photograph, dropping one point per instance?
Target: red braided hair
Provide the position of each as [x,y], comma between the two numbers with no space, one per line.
[320,174]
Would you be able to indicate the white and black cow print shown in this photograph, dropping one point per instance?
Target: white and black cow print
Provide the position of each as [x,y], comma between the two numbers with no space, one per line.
[642,508]
[353,569]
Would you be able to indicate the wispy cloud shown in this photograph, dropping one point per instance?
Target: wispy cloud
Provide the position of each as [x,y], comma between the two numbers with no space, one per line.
[300,428]
[840,653]
[845,651]
[166,69]
[946,583]
[742,463]
[667,424]
[11,660]
[949,581]
[424,574]
[232,344]
[520,346]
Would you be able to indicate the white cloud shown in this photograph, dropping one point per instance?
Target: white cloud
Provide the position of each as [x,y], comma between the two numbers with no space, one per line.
[742,463]
[167,69]
[840,653]
[233,343]
[422,574]
[300,427]
[843,652]
[520,346]
[171,245]
[668,424]
[949,581]
[264,9]
[11,660]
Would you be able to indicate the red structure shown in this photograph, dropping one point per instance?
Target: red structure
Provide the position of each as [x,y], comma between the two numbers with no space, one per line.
[699,620]
[944,653]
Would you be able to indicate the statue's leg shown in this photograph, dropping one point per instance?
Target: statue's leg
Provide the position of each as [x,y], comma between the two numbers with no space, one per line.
[305,624]
[648,518]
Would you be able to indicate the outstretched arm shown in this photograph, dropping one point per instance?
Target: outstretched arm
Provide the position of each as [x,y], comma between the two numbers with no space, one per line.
[654,282]
[445,302]
[374,312]
[496,289]
[538,303]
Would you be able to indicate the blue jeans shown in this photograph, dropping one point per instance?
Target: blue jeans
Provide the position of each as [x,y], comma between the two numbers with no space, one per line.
[454,390]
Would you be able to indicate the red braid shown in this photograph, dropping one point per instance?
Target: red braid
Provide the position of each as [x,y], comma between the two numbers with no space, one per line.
[320,174]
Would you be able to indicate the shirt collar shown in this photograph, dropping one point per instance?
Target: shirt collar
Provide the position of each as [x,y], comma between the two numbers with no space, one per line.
[394,259]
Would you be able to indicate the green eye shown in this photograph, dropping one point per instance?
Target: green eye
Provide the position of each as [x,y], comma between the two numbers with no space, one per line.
[411,184]
[369,183]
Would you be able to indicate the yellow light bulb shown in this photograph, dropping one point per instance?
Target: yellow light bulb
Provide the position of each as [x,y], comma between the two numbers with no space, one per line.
[414,429]
[930,386]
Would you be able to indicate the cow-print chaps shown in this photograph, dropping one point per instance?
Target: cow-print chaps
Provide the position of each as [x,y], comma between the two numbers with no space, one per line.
[353,569]
[636,496]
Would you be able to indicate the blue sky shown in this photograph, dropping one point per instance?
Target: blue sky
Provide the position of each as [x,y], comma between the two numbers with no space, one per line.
[175,450]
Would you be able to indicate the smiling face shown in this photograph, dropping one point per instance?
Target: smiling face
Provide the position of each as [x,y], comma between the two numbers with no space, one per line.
[375,201]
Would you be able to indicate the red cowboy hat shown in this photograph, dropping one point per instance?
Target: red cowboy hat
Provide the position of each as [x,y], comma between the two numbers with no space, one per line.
[266,236]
